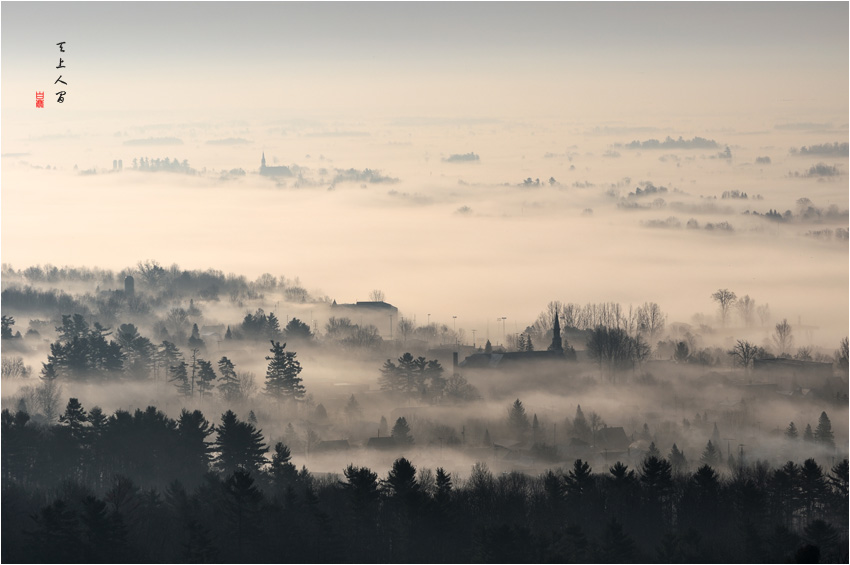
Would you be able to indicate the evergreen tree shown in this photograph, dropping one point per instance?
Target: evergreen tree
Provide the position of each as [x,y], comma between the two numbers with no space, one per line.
[678,461]
[166,356]
[710,456]
[383,427]
[487,441]
[352,409]
[228,334]
[401,480]
[272,327]
[520,343]
[282,380]
[823,433]
[518,420]
[206,376]
[807,434]
[75,419]
[401,432]
[239,445]
[193,456]
[535,428]
[791,432]
[581,429]
[195,341]
[282,470]
[180,377]
[528,345]
[229,386]
[653,451]
[488,347]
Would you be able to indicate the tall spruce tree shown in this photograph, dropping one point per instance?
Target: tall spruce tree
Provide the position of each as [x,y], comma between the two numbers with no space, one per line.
[229,385]
[823,433]
[282,380]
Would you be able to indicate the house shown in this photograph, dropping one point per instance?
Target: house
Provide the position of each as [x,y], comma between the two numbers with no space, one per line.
[791,374]
[332,445]
[363,313]
[387,442]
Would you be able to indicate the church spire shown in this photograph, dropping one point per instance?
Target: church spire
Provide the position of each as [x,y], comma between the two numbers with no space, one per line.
[556,334]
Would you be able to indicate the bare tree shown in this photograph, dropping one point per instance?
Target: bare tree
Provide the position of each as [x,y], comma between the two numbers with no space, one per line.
[744,352]
[405,328]
[47,396]
[783,338]
[651,320]
[377,295]
[247,384]
[843,354]
[746,308]
[763,312]
[725,298]
[151,271]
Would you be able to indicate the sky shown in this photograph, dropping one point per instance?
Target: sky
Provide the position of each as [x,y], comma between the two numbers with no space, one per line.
[537,90]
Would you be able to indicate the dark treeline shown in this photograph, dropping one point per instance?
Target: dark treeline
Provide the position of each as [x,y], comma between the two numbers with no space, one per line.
[143,487]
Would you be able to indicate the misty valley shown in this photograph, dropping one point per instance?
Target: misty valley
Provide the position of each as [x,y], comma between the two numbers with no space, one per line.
[159,414]
[432,282]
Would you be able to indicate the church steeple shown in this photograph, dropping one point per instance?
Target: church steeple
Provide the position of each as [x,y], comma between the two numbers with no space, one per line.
[263,162]
[556,335]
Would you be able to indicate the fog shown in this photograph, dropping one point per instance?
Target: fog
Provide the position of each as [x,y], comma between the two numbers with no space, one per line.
[474,164]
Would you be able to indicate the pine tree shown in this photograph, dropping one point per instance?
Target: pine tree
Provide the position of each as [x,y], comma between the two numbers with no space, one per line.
[678,461]
[195,341]
[282,470]
[823,433]
[239,445]
[228,334]
[180,377]
[383,427]
[488,347]
[444,486]
[401,432]
[75,419]
[282,380]
[653,451]
[207,376]
[520,343]
[807,434]
[518,420]
[352,409]
[581,429]
[528,345]
[791,432]
[229,386]
[710,456]
[535,428]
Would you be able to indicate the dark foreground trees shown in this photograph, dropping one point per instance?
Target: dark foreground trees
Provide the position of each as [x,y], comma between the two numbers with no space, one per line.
[143,487]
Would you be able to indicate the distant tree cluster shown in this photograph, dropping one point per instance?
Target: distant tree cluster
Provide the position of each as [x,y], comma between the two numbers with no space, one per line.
[413,376]
[462,158]
[670,143]
[835,149]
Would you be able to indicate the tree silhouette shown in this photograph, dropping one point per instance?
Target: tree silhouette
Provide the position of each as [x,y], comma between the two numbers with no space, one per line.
[239,445]
[282,380]
[229,385]
[401,432]
[725,298]
[518,420]
[823,433]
